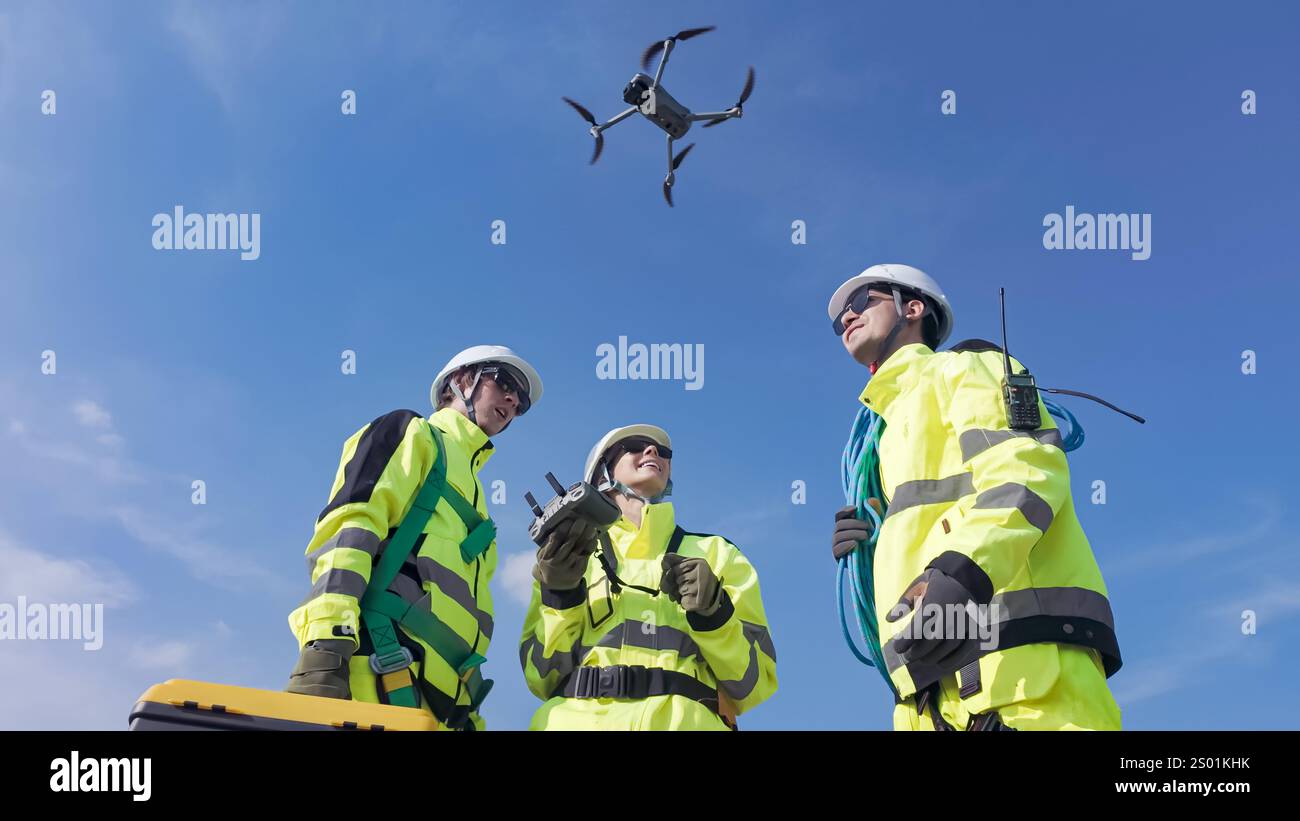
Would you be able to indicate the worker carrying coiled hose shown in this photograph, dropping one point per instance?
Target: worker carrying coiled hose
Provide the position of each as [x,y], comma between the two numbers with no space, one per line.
[973,588]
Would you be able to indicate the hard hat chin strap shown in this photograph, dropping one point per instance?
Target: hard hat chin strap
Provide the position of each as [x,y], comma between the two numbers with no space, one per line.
[900,322]
[618,487]
[468,401]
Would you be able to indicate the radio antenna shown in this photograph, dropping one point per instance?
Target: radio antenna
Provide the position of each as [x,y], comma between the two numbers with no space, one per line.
[1002,308]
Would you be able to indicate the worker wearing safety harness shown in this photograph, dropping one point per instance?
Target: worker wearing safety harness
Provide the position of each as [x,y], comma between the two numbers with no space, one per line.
[647,627]
[992,612]
[400,611]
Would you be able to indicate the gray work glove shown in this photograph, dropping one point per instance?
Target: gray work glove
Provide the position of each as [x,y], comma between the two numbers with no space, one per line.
[850,530]
[322,669]
[690,582]
[937,588]
[562,558]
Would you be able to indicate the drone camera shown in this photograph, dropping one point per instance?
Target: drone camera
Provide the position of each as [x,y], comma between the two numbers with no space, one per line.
[635,90]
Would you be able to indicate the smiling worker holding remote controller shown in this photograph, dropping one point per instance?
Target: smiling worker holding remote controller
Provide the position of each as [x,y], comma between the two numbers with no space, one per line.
[643,626]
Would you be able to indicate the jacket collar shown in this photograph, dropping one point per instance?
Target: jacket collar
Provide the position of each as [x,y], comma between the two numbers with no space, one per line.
[468,436]
[651,539]
[894,376]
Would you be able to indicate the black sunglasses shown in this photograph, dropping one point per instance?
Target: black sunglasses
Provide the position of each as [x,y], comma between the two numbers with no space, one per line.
[509,383]
[636,446]
[857,303]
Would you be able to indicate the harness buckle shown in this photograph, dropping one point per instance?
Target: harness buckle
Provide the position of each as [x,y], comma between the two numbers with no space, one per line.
[400,659]
[585,686]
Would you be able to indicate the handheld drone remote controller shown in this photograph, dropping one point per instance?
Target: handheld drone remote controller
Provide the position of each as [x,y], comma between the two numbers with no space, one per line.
[581,500]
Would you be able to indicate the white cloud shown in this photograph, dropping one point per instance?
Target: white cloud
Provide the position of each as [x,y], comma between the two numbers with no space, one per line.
[1262,515]
[109,469]
[517,576]
[91,414]
[1274,601]
[206,561]
[45,578]
[99,484]
[110,440]
[17,428]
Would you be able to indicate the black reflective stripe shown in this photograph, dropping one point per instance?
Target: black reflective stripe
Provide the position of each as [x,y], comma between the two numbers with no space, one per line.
[758,638]
[719,617]
[974,442]
[561,661]
[1052,601]
[452,585]
[760,635]
[930,491]
[375,449]
[563,599]
[964,569]
[740,689]
[338,580]
[1073,630]
[650,636]
[1054,615]
[1035,509]
[356,538]
[635,682]
[406,588]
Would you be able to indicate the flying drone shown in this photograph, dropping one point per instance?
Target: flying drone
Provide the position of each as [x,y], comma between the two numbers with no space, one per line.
[646,95]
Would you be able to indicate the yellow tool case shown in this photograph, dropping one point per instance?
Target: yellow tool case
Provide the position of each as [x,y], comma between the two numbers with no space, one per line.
[179,704]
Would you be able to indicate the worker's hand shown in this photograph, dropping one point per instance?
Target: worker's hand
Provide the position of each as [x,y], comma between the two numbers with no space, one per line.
[934,587]
[562,558]
[850,530]
[690,582]
[322,669]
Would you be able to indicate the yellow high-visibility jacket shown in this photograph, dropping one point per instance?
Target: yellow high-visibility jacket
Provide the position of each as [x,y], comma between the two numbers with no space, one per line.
[592,636]
[990,506]
[381,470]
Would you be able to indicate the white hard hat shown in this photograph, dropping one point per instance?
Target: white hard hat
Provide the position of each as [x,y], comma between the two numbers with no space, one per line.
[904,276]
[657,435]
[482,354]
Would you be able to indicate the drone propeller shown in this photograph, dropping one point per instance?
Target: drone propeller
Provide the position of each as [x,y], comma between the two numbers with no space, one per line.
[655,48]
[744,95]
[668,183]
[586,115]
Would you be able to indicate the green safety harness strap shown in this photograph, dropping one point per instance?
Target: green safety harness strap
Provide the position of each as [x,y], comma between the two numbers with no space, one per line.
[382,611]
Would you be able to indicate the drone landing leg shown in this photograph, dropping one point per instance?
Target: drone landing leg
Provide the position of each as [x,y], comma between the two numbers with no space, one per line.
[668,181]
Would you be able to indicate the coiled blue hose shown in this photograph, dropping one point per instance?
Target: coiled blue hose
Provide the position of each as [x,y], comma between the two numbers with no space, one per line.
[860,479]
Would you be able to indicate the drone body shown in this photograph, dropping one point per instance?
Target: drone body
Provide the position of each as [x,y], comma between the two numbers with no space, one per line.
[646,96]
[658,106]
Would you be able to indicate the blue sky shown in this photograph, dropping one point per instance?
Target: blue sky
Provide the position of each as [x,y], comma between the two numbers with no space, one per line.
[174,366]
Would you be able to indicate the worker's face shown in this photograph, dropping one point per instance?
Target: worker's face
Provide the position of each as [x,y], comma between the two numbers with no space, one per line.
[865,332]
[642,468]
[494,408]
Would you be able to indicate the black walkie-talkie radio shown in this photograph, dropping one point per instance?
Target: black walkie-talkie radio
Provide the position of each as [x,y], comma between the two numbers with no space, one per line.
[1018,389]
